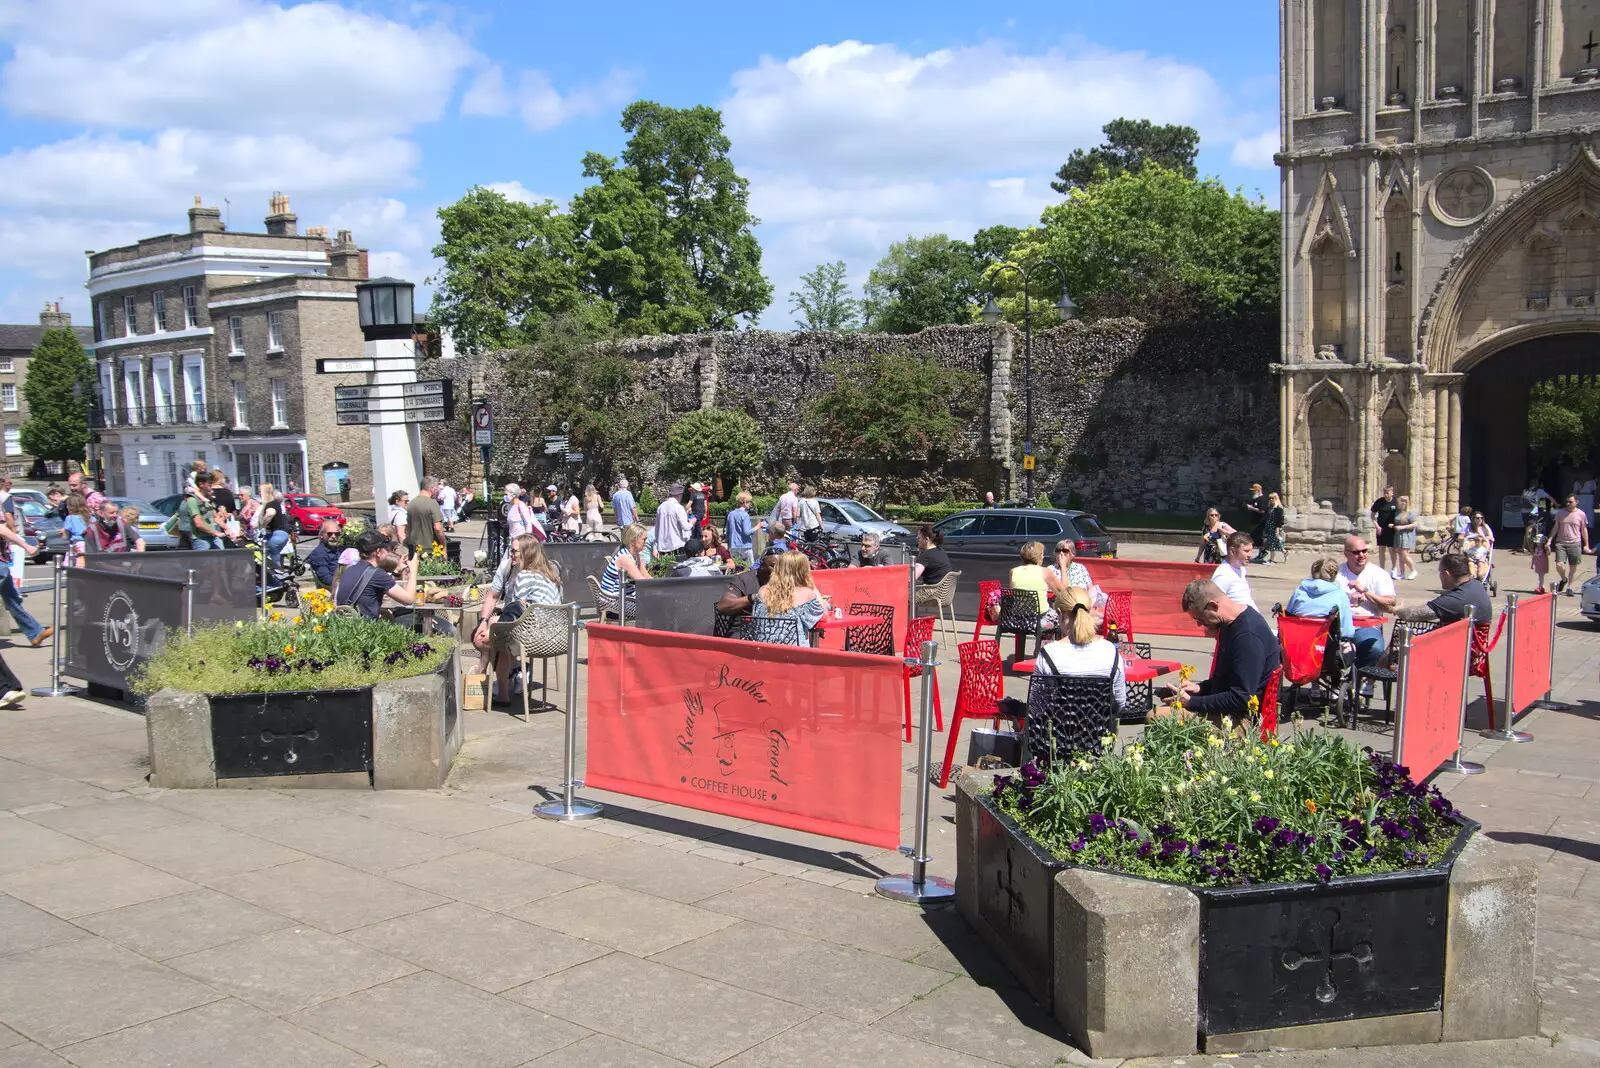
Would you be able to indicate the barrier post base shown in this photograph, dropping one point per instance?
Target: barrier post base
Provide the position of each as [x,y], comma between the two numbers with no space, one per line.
[1462,767]
[559,810]
[1554,706]
[61,690]
[931,891]
[1506,734]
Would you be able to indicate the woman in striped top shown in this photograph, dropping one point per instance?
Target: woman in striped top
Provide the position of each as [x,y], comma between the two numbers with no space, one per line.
[624,563]
[533,579]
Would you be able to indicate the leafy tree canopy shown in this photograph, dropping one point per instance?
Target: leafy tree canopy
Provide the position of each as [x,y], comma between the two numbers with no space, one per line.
[922,282]
[661,242]
[894,408]
[57,427]
[823,301]
[1563,418]
[714,443]
[1129,146]
[1156,245]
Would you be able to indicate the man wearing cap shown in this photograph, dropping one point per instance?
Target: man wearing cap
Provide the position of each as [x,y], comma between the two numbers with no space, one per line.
[672,523]
[366,582]
[623,504]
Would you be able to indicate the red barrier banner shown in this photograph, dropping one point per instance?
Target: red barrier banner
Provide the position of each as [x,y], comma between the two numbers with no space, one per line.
[1531,639]
[801,738]
[1434,684]
[866,585]
[1157,588]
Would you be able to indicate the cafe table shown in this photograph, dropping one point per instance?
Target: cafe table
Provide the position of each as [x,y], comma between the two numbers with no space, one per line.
[1132,670]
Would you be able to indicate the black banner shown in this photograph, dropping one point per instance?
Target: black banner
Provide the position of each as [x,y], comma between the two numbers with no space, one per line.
[679,605]
[225,580]
[117,621]
[575,559]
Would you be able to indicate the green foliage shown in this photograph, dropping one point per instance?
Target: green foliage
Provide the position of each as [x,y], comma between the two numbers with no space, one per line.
[895,408]
[822,302]
[1155,245]
[320,652]
[1192,803]
[714,442]
[1129,147]
[57,427]
[759,506]
[647,501]
[1043,501]
[1563,418]
[661,242]
[923,282]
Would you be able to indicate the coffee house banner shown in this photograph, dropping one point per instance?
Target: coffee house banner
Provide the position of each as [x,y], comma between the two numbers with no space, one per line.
[800,738]
[115,622]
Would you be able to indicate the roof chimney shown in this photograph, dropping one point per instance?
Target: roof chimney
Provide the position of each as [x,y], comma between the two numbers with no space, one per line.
[346,260]
[317,231]
[53,318]
[205,220]
[281,221]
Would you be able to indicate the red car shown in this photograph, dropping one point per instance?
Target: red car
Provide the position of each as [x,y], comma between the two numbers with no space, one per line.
[307,511]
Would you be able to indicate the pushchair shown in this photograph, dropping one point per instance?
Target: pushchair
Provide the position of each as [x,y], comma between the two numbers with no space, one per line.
[1480,554]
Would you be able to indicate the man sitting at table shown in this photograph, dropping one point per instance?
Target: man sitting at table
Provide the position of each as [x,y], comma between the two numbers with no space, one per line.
[324,559]
[1461,593]
[746,585]
[1371,592]
[1247,652]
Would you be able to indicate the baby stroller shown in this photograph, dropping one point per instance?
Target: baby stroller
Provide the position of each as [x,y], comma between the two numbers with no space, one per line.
[1480,554]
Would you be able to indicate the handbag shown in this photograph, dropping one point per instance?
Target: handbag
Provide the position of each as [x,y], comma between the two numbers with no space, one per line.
[989,747]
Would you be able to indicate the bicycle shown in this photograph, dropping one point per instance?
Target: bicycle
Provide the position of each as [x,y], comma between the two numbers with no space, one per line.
[1437,547]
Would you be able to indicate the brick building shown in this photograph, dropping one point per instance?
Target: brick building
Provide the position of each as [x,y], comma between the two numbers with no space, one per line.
[207,343]
[17,343]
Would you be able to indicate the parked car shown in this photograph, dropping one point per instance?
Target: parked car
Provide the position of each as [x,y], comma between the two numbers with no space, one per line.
[32,495]
[307,512]
[1002,531]
[151,521]
[40,524]
[1589,599]
[846,518]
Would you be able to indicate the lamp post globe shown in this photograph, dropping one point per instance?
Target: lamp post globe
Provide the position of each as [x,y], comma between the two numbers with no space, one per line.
[991,312]
[385,308]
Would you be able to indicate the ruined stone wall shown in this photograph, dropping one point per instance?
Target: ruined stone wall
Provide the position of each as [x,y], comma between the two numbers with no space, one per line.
[1125,415]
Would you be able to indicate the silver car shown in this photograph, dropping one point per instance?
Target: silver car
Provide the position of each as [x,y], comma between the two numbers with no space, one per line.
[845,518]
[151,522]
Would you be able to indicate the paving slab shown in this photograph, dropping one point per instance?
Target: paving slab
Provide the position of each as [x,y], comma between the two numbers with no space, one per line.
[82,989]
[30,1055]
[24,927]
[603,1051]
[430,812]
[697,1020]
[25,845]
[661,872]
[826,976]
[539,841]
[79,887]
[112,819]
[326,895]
[369,844]
[484,949]
[999,1024]
[223,1033]
[204,851]
[427,1021]
[294,968]
[491,880]
[840,1044]
[844,916]
[622,919]
[184,923]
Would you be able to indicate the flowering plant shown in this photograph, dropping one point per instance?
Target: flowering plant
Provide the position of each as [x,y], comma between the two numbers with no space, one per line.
[435,563]
[1192,803]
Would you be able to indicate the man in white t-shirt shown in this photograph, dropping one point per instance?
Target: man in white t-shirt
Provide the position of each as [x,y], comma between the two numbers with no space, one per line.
[1230,574]
[1371,592]
[789,507]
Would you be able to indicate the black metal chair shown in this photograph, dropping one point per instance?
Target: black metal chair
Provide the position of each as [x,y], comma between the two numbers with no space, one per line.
[1019,616]
[1141,695]
[1067,714]
[779,631]
[874,638]
[727,626]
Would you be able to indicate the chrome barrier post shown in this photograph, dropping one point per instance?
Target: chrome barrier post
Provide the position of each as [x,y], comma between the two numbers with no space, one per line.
[1402,659]
[1455,763]
[263,550]
[919,887]
[188,604]
[1505,732]
[570,808]
[58,653]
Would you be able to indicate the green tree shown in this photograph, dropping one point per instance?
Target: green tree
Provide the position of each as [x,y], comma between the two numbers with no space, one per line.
[1129,146]
[1156,245]
[716,442]
[822,302]
[57,427]
[1554,430]
[507,268]
[922,282]
[894,408]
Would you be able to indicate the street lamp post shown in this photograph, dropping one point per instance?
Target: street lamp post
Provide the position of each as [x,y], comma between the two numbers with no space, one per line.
[90,402]
[992,315]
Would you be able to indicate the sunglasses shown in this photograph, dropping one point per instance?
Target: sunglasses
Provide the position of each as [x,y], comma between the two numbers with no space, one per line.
[1355,552]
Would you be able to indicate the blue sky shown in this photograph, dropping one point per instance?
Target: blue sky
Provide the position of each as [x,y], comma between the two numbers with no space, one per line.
[856,124]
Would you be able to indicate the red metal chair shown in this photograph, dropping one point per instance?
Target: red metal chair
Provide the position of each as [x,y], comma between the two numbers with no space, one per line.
[1119,615]
[1269,705]
[1482,646]
[988,594]
[920,630]
[982,687]
[1302,644]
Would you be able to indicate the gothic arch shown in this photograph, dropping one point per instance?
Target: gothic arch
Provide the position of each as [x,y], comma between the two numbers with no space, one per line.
[1327,220]
[1394,184]
[1326,431]
[1568,189]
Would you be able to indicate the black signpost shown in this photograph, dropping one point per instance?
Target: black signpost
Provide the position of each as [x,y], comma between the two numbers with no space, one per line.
[429,401]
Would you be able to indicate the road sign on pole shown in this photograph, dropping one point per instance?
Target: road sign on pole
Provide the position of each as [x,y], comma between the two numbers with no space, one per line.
[482,423]
[556,444]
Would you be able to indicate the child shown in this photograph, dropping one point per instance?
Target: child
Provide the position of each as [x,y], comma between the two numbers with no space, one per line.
[1540,553]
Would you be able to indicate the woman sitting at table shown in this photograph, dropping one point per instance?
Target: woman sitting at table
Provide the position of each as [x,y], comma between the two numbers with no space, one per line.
[532,579]
[1031,575]
[624,563]
[790,594]
[1080,651]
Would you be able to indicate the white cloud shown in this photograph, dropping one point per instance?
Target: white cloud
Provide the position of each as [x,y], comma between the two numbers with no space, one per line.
[515,190]
[487,94]
[1256,152]
[537,101]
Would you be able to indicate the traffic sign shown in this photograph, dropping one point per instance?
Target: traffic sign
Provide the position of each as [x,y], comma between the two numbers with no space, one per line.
[1027,463]
[482,423]
[574,457]
[556,444]
[365,365]
[429,388]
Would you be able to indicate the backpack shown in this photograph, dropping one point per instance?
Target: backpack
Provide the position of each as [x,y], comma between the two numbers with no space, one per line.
[178,521]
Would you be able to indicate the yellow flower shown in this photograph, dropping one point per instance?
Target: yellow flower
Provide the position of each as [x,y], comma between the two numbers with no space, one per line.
[288,650]
[1269,773]
[319,628]
[1255,797]
[1273,742]
[1289,748]
[1311,805]
[1227,723]
[1108,739]
[1254,705]
[1232,792]
[276,616]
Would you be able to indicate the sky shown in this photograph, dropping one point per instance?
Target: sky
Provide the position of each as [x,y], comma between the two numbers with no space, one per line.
[856,124]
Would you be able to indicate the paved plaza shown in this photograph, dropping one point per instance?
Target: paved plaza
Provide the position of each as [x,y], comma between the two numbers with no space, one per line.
[282,928]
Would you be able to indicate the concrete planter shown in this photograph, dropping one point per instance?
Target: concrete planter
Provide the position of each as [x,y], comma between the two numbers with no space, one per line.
[1134,967]
[400,734]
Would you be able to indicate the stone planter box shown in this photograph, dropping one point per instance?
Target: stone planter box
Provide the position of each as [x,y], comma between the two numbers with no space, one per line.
[1135,967]
[395,735]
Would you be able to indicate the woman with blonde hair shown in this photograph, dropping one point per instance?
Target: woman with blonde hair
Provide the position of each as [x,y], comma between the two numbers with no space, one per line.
[593,521]
[532,579]
[1031,574]
[624,563]
[1080,651]
[1405,539]
[1213,536]
[791,594]
[500,591]
[1272,529]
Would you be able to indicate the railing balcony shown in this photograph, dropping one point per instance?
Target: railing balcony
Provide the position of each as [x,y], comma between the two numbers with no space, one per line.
[157,415]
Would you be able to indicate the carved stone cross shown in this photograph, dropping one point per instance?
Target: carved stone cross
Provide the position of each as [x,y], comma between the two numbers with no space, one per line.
[1015,903]
[290,756]
[1327,989]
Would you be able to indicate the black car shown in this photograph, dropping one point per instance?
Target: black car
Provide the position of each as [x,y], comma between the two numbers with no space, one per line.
[1002,531]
